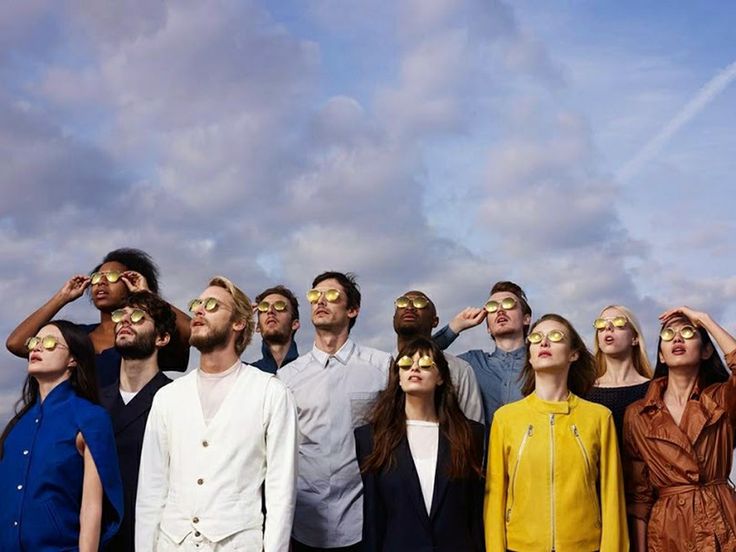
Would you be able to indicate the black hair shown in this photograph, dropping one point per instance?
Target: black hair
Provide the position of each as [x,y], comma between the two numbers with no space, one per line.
[136,260]
[349,284]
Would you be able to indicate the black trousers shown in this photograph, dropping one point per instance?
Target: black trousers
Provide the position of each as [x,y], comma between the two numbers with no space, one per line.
[296,546]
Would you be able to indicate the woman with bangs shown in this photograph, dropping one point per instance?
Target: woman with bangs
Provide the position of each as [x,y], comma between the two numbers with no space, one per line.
[121,272]
[421,461]
[622,364]
[554,475]
[60,486]
[679,441]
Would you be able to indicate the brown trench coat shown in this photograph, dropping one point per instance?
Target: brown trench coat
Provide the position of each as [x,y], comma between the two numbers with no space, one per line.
[676,476]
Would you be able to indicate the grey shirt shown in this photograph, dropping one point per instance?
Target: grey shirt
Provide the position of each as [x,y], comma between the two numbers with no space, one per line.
[333,395]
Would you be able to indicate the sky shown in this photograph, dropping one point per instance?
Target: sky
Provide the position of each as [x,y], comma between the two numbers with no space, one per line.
[582,149]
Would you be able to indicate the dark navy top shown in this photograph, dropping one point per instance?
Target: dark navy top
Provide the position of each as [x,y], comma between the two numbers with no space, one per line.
[268,364]
[617,399]
[41,474]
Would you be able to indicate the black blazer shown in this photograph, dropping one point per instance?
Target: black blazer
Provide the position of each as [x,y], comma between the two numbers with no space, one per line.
[394,515]
[129,424]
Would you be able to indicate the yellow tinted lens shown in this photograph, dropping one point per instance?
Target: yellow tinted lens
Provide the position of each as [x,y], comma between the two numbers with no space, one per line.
[687,332]
[491,306]
[555,336]
[668,334]
[194,304]
[402,302]
[137,316]
[620,321]
[599,324]
[332,295]
[419,302]
[117,315]
[405,362]
[113,276]
[49,342]
[425,362]
[263,306]
[313,295]
[535,337]
[279,306]
[32,343]
[96,277]
[508,303]
[210,304]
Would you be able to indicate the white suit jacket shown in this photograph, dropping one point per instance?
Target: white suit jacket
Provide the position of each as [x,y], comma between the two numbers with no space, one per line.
[207,479]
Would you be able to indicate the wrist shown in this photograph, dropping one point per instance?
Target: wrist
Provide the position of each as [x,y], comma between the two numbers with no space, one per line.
[454,328]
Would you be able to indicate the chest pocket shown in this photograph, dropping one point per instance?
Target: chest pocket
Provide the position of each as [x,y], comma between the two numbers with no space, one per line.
[360,407]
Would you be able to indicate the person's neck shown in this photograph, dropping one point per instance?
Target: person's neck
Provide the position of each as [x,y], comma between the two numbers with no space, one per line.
[330,341]
[508,343]
[279,351]
[620,371]
[136,373]
[403,340]
[420,408]
[551,386]
[47,384]
[106,323]
[680,384]
[218,360]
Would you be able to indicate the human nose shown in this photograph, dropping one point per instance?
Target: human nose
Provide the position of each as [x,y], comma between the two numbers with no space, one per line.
[678,337]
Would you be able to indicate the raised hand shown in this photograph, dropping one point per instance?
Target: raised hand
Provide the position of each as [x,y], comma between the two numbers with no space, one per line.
[696,317]
[135,281]
[469,317]
[73,288]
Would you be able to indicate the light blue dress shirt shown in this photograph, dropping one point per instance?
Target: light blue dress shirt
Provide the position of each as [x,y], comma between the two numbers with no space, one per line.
[333,395]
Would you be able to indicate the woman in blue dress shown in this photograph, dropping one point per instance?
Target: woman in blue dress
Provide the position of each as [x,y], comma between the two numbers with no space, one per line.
[60,486]
[121,272]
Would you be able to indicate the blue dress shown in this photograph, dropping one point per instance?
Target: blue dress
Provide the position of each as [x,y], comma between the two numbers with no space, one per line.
[41,474]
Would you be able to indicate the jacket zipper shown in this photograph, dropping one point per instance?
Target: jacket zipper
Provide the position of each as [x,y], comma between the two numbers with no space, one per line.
[527,434]
[552,476]
[593,495]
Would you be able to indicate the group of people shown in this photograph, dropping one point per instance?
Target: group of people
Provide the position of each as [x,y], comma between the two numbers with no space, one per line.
[538,444]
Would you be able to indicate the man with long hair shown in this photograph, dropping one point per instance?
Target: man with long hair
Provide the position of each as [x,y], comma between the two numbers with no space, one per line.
[217,440]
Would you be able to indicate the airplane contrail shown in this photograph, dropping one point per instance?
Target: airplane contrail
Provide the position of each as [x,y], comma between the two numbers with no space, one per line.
[704,96]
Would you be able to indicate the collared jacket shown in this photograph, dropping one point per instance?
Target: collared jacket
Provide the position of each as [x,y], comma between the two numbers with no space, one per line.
[554,479]
[129,424]
[206,479]
[42,474]
[267,363]
[677,475]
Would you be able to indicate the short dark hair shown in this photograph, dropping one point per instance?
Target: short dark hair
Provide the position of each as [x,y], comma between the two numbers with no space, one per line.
[283,291]
[511,287]
[348,283]
[164,319]
[136,260]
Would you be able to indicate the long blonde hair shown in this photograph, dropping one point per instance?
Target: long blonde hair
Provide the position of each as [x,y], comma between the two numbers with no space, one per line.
[639,354]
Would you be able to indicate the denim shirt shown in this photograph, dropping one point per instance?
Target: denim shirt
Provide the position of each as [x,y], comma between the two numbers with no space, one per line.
[267,362]
[497,372]
[42,473]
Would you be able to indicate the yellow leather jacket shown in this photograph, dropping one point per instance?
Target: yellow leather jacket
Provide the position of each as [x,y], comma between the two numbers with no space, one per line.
[554,479]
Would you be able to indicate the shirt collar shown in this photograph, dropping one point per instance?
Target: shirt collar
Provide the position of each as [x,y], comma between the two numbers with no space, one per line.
[553,407]
[654,397]
[342,355]
[291,354]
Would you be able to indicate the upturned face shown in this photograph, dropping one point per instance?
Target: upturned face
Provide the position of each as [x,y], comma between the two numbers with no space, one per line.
[108,296]
[134,338]
[613,340]
[421,377]
[506,322]
[212,329]
[277,325]
[553,353]
[331,315]
[50,357]
[413,320]
[685,349]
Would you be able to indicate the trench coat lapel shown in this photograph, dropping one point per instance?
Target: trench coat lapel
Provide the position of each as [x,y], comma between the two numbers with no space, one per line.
[440,476]
[409,476]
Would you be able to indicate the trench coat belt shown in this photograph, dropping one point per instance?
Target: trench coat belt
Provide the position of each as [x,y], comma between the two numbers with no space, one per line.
[677,489]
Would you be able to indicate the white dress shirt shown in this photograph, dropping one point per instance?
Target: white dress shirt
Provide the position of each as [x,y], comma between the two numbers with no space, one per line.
[205,480]
[333,394]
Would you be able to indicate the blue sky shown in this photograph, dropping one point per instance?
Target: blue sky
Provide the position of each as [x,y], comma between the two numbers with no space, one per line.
[432,144]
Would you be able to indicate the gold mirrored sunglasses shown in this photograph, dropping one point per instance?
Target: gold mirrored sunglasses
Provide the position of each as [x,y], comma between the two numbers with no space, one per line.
[278,306]
[417,302]
[615,321]
[210,304]
[332,295]
[506,304]
[48,342]
[137,316]
[686,332]
[111,276]
[425,363]
[554,336]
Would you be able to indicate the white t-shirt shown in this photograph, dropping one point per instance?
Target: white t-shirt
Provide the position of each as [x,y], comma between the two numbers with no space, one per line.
[213,388]
[127,396]
[423,442]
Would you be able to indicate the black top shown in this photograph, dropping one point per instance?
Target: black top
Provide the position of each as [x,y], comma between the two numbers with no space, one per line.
[616,399]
